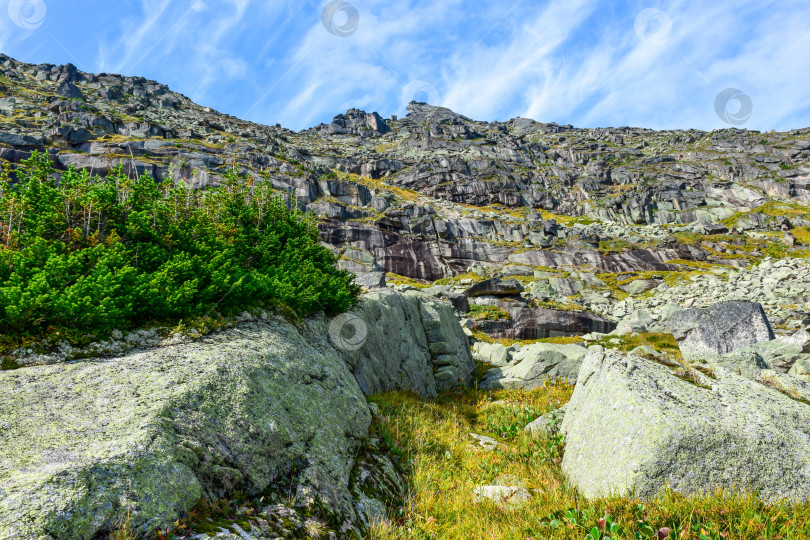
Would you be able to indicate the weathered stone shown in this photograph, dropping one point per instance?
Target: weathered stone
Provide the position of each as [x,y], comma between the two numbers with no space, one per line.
[548,423]
[719,329]
[507,491]
[370,280]
[565,286]
[638,321]
[495,287]
[639,286]
[403,337]
[781,353]
[492,353]
[516,270]
[533,365]
[728,432]
[744,362]
[459,301]
[13,139]
[487,443]
[530,323]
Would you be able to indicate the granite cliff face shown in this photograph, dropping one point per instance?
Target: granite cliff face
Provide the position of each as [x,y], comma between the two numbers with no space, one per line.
[438,196]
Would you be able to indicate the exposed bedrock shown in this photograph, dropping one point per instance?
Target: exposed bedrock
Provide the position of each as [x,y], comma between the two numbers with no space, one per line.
[261,406]
[527,322]
[657,429]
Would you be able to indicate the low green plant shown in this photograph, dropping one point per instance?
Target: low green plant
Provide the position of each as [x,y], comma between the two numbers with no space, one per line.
[443,469]
[488,313]
[91,254]
[507,422]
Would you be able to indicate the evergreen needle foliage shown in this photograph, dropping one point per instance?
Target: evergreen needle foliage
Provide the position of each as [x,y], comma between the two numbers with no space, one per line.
[94,254]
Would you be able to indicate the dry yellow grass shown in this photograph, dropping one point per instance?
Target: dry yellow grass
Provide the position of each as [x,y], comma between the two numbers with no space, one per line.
[444,469]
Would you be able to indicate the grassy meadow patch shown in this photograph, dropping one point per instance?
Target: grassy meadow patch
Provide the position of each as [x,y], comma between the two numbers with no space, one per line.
[445,466]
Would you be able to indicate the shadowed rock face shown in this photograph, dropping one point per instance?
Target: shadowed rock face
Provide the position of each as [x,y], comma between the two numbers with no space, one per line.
[538,323]
[719,329]
[495,287]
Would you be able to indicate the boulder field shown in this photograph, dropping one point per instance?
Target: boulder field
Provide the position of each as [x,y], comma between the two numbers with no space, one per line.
[265,406]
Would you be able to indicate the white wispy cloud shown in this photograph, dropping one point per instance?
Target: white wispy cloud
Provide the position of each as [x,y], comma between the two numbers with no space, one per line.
[570,61]
[191,42]
[487,79]
[621,79]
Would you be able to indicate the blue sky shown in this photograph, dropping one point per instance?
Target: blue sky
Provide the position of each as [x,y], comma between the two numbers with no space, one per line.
[657,64]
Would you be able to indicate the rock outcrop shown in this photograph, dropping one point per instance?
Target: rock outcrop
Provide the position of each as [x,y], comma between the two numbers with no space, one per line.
[720,329]
[526,322]
[259,407]
[530,366]
[410,343]
[633,425]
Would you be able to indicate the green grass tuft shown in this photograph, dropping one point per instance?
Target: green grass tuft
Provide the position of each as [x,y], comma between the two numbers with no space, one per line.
[445,467]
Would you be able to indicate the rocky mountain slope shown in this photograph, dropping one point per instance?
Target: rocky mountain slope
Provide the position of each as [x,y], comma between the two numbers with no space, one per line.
[576,215]
[555,252]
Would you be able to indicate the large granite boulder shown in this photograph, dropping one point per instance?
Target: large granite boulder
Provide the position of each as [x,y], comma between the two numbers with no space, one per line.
[719,329]
[151,433]
[410,343]
[262,406]
[533,364]
[633,425]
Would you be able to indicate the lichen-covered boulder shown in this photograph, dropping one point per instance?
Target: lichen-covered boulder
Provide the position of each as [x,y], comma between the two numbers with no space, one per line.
[409,343]
[494,354]
[533,364]
[262,407]
[151,433]
[632,425]
[780,354]
[719,329]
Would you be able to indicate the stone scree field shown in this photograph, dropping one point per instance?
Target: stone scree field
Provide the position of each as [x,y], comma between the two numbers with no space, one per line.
[597,333]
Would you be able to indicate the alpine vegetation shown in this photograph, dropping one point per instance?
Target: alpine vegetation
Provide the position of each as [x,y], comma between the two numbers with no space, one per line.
[96,254]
